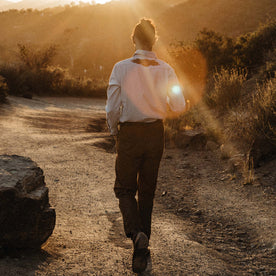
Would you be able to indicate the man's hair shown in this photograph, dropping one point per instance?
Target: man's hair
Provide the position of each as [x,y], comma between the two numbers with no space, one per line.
[145,32]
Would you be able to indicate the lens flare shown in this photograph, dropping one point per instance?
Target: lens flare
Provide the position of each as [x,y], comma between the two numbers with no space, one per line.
[176,89]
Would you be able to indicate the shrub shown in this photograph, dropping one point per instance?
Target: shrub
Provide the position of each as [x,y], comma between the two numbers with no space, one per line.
[256,120]
[197,117]
[12,76]
[31,76]
[247,51]
[216,48]
[34,59]
[227,90]
[36,76]
[191,68]
[251,48]
[263,111]
[3,90]
[269,69]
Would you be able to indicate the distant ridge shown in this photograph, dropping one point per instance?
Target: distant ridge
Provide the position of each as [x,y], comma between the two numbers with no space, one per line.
[4,3]
[233,17]
[26,4]
[91,37]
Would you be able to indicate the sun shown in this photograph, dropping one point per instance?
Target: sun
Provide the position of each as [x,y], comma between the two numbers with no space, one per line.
[93,1]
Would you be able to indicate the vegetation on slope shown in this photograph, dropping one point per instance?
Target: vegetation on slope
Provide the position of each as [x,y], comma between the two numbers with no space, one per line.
[94,37]
[238,106]
[35,74]
[229,75]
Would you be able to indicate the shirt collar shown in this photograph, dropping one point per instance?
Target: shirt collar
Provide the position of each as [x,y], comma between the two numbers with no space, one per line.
[145,54]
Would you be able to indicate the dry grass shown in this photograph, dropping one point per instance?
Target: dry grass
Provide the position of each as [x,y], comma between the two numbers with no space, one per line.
[248,170]
[228,88]
[255,119]
[264,108]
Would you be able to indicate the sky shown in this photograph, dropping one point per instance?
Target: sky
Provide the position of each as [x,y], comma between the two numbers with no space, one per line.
[86,1]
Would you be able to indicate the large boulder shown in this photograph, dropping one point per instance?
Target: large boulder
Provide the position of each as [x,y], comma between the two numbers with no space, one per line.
[26,218]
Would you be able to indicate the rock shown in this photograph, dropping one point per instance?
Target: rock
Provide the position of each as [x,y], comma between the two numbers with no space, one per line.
[211,145]
[192,138]
[26,218]
[236,163]
[27,96]
[262,150]
[227,151]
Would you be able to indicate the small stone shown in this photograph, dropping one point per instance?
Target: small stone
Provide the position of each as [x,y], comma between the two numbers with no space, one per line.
[211,146]
[226,151]
[195,139]
[198,212]
[274,247]
[164,193]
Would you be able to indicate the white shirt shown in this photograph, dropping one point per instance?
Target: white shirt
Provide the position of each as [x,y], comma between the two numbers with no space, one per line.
[140,88]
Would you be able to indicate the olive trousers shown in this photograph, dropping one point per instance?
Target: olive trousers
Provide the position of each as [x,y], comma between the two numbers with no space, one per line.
[139,151]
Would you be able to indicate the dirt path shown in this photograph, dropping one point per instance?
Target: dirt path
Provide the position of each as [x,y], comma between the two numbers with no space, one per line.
[204,223]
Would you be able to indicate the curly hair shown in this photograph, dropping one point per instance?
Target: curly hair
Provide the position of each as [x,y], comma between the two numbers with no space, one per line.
[145,33]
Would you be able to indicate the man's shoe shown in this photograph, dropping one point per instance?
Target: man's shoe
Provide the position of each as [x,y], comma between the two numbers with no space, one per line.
[149,263]
[139,260]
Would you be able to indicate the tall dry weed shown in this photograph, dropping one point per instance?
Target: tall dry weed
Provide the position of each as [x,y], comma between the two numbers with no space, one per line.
[227,89]
[253,125]
[263,110]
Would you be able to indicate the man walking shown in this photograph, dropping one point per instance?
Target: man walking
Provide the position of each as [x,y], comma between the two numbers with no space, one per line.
[140,90]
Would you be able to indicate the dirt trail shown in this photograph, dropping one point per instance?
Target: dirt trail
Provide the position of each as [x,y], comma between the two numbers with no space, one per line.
[204,223]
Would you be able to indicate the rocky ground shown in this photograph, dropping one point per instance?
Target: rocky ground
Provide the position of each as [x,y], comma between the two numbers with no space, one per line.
[205,221]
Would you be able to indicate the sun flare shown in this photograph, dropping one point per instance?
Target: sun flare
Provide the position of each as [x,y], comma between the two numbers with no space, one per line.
[77,1]
[93,1]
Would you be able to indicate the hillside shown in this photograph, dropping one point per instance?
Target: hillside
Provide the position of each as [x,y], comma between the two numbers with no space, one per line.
[3,4]
[27,4]
[233,17]
[93,37]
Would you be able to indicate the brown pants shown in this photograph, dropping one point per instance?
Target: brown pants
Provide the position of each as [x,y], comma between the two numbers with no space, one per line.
[139,151]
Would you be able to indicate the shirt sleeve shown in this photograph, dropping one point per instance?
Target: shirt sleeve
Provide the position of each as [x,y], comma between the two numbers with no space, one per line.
[113,102]
[175,97]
